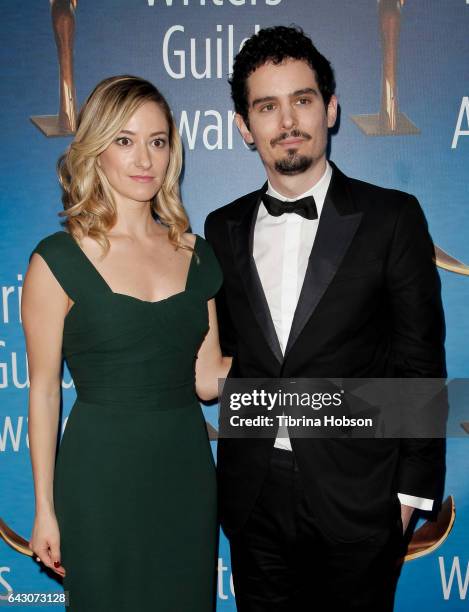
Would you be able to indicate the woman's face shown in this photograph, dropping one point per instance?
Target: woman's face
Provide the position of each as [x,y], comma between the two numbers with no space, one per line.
[135,163]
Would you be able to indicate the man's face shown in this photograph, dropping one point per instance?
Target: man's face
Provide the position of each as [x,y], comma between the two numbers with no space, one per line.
[288,121]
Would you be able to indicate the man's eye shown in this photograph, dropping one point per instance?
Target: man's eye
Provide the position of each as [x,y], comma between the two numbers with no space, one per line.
[123,141]
[303,101]
[267,107]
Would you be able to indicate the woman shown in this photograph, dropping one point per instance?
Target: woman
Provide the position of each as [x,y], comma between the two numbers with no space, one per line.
[128,516]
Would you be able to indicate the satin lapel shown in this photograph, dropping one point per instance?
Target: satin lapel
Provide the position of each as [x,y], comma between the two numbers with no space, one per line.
[337,226]
[242,241]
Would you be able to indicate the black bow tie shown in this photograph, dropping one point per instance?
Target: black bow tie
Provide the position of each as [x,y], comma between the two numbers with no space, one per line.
[305,207]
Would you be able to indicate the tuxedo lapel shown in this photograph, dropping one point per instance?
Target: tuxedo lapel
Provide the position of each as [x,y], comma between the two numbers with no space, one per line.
[337,226]
[242,241]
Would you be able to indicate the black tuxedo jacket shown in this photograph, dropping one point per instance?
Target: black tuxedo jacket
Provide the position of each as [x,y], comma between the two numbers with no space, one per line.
[370,307]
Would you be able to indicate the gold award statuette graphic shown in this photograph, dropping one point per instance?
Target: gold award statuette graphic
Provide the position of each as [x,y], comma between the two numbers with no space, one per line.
[63,24]
[447,262]
[389,121]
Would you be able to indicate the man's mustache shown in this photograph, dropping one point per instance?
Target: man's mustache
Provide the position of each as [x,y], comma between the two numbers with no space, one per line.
[293,134]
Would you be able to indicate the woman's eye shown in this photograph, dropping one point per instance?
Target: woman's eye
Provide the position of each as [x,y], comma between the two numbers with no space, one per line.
[159,142]
[123,141]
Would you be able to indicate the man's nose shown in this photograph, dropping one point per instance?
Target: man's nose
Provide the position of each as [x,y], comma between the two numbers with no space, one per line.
[288,117]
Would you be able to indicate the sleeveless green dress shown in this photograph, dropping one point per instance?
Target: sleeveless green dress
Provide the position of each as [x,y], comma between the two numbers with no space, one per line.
[134,485]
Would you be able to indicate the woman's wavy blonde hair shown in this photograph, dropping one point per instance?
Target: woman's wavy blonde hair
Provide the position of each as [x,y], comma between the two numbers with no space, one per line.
[89,207]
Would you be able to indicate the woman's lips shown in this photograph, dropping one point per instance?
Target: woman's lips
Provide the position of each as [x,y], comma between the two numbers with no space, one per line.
[142,178]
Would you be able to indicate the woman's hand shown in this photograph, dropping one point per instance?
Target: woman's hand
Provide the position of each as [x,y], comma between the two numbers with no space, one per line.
[45,542]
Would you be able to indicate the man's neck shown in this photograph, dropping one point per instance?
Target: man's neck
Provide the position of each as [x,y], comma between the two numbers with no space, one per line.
[296,185]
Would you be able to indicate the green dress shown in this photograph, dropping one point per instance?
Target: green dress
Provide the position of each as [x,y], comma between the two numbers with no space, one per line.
[134,485]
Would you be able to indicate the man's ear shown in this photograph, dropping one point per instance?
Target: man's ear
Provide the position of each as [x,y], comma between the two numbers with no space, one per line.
[332,111]
[244,130]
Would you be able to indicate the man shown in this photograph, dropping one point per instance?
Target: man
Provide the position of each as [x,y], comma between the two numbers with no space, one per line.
[339,283]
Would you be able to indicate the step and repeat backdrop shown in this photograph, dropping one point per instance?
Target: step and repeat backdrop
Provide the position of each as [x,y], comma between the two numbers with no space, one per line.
[402,71]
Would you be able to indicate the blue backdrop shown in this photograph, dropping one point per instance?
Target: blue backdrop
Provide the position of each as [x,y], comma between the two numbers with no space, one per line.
[185,47]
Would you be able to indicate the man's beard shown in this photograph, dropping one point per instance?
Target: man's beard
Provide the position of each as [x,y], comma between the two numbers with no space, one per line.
[293,163]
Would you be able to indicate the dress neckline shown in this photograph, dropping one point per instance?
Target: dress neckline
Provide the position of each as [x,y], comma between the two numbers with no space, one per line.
[126,295]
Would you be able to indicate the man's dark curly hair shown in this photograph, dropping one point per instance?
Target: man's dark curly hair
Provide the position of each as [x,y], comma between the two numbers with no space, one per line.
[277,44]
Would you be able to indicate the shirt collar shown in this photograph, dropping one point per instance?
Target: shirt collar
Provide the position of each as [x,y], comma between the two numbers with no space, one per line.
[318,190]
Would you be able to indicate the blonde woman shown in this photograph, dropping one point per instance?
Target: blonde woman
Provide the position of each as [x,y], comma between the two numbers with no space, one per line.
[127,514]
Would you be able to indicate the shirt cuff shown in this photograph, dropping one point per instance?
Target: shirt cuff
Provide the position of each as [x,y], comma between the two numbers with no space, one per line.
[421,503]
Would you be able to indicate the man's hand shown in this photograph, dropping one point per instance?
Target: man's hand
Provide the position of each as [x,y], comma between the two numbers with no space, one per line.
[406,515]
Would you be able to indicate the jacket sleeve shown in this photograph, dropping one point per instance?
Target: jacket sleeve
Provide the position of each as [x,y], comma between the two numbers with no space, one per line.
[417,343]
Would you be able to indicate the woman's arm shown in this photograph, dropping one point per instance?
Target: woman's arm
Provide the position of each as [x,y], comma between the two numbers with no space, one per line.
[43,309]
[210,364]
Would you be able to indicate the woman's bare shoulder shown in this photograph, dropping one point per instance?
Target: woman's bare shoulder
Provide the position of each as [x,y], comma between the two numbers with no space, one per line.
[189,239]
[91,247]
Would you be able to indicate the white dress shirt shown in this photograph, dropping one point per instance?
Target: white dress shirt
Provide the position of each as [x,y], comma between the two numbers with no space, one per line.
[282,246]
